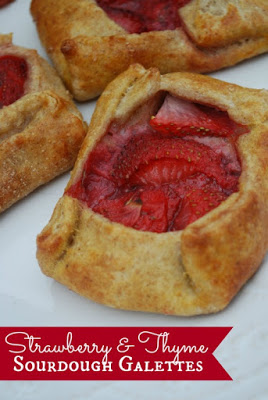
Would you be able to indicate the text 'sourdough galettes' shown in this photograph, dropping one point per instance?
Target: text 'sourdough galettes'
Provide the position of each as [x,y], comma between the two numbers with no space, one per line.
[41,130]
[91,42]
[167,206]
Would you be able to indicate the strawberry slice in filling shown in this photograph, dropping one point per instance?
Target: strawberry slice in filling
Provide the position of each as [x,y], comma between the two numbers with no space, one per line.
[137,16]
[183,118]
[166,173]
[13,75]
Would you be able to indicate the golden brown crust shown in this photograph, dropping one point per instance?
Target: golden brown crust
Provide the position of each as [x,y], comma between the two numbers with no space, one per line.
[220,23]
[88,55]
[40,134]
[194,271]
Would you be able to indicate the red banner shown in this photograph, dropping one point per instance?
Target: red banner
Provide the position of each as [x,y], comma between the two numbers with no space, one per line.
[111,353]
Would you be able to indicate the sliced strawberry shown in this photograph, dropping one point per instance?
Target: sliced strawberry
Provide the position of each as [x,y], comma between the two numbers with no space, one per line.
[122,209]
[159,172]
[100,160]
[223,147]
[131,23]
[132,6]
[97,188]
[124,13]
[196,203]
[173,201]
[141,151]
[144,15]
[145,211]
[182,118]
[154,209]
[163,15]
[13,74]
[157,181]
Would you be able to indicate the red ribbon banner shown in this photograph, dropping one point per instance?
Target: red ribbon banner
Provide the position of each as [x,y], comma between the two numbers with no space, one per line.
[111,353]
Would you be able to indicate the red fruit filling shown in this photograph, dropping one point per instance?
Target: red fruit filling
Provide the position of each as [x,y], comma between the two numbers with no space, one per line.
[182,118]
[160,174]
[137,16]
[13,74]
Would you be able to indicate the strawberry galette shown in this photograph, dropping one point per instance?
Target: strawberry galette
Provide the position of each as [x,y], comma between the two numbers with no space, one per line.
[167,194]
[40,129]
[92,41]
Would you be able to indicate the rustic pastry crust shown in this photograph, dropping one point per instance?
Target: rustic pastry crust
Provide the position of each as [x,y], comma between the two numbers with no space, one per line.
[89,49]
[193,271]
[40,134]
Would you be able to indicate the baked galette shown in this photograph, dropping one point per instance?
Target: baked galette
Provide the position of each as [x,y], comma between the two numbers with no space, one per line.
[41,130]
[91,42]
[167,207]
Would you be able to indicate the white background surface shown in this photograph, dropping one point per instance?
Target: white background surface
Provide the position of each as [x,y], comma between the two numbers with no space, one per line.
[28,298]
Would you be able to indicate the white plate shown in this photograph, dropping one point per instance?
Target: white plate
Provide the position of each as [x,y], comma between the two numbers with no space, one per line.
[28,298]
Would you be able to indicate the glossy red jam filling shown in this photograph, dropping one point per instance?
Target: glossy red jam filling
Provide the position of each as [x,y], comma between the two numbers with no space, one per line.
[137,16]
[162,173]
[13,75]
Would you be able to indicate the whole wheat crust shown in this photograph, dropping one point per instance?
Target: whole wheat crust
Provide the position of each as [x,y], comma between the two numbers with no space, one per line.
[89,49]
[193,271]
[40,133]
